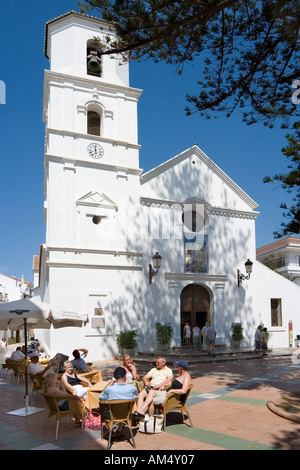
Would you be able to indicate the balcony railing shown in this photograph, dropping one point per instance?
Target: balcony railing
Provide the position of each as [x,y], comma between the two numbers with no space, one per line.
[276,263]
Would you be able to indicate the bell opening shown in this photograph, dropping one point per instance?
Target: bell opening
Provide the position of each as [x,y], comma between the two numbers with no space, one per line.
[93,62]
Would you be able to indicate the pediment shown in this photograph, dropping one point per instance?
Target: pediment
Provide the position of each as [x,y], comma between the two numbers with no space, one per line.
[192,174]
[96,199]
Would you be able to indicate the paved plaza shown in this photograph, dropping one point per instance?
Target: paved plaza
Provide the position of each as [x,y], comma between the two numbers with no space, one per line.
[227,407]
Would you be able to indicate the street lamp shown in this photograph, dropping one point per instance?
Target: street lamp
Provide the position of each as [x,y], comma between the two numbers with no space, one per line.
[241,277]
[156,263]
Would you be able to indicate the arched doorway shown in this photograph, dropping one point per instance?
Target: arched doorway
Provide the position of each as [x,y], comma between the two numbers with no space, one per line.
[194,306]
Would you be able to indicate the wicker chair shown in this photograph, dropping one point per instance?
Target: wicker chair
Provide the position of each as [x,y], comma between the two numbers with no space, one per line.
[76,407]
[37,384]
[115,412]
[8,366]
[173,402]
[4,369]
[2,358]
[18,368]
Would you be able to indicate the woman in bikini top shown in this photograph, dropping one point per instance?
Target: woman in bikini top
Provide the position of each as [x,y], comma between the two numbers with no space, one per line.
[176,384]
[73,380]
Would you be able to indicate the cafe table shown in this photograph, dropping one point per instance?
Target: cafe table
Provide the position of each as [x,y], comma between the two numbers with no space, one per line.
[92,397]
[93,392]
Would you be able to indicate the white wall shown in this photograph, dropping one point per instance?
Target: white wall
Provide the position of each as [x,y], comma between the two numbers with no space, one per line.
[14,288]
[86,267]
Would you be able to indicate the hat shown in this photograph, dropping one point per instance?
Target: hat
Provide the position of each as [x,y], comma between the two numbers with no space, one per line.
[34,354]
[119,373]
[182,364]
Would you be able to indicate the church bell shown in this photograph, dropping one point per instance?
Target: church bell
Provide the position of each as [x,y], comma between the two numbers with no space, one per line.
[94,62]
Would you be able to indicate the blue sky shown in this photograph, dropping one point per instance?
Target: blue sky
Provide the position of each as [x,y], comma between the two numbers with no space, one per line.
[246,154]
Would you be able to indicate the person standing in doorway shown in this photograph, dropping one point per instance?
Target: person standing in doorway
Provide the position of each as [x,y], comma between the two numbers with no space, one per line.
[196,336]
[211,340]
[187,334]
[204,333]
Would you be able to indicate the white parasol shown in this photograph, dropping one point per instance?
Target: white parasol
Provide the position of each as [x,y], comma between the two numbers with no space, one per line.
[30,313]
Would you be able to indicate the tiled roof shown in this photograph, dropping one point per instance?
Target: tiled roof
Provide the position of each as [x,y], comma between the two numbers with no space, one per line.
[71,12]
[279,245]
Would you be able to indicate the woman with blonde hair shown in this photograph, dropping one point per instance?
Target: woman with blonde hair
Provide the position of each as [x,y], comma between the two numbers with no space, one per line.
[131,373]
[72,382]
[53,386]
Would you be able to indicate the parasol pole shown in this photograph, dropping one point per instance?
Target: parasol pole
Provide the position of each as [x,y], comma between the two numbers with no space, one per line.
[26,376]
[26,411]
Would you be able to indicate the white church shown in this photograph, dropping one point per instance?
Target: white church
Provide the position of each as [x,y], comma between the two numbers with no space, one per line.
[106,219]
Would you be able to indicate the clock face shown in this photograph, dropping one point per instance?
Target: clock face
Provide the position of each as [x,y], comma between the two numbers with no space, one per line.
[95,150]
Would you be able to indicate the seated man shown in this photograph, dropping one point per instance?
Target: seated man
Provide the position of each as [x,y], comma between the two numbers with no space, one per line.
[34,368]
[156,379]
[120,390]
[78,361]
[17,354]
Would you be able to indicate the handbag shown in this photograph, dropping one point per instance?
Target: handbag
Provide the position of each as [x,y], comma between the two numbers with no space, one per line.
[93,421]
[151,424]
[64,406]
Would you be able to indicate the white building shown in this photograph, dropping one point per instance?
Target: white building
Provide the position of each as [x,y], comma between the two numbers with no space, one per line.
[105,219]
[12,288]
[283,256]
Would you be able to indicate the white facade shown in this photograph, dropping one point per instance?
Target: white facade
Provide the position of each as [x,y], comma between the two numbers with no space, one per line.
[283,255]
[12,288]
[105,219]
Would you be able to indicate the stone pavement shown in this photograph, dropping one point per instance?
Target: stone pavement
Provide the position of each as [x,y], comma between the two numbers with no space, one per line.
[227,407]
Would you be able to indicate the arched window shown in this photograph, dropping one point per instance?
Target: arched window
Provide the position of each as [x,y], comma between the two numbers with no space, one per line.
[93,59]
[194,216]
[93,123]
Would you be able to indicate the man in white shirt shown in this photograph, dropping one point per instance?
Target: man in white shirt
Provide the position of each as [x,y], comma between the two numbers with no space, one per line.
[17,354]
[35,368]
[155,379]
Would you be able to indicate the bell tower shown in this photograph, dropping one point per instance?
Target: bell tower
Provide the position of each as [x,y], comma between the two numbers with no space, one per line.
[91,144]
[92,177]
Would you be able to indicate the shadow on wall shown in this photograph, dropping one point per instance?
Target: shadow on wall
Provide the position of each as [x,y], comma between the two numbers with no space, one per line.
[230,242]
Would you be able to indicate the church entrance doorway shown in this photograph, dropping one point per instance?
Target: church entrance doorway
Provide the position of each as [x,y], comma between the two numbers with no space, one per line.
[194,306]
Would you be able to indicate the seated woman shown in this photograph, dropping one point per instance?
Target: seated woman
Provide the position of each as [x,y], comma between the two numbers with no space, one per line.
[131,373]
[53,386]
[179,386]
[72,382]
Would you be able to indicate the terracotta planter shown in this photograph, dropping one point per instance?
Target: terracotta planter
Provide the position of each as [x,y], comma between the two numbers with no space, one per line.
[164,347]
[127,351]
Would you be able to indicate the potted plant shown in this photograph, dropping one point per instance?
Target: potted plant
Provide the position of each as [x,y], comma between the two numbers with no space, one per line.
[127,340]
[237,334]
[164,334]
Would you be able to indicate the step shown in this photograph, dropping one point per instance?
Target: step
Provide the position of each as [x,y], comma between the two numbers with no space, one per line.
[196,356]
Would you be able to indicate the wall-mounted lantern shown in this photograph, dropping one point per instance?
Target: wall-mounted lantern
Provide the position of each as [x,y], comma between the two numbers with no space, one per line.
[241,277]
[156,263]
